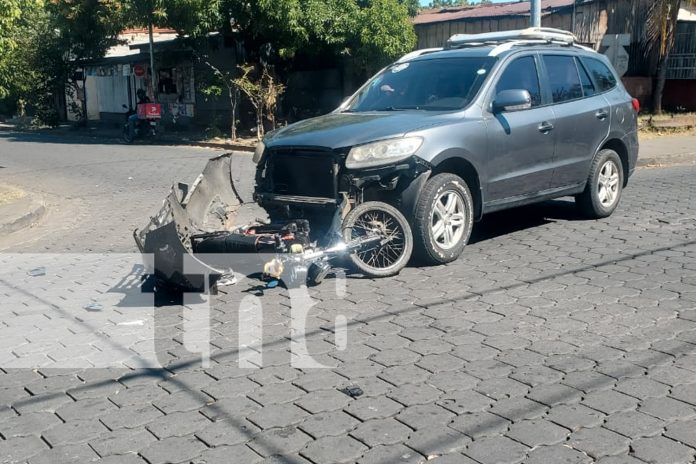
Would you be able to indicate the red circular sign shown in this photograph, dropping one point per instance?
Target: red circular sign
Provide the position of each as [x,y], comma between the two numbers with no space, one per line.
[139,70]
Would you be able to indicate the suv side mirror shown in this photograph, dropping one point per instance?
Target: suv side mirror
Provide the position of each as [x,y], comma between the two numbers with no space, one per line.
[512,100]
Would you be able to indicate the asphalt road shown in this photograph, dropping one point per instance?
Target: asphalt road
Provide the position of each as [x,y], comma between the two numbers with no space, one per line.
[553,339]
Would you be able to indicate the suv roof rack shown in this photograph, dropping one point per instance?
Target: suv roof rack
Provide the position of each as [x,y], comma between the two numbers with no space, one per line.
[532,35]
[417,53]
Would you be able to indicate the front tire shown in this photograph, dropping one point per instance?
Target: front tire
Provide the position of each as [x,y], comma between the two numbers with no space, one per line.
[444,218]
[604,186]
[374,218]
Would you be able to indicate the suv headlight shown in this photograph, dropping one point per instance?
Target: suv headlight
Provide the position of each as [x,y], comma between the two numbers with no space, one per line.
[383,152]
[260,147]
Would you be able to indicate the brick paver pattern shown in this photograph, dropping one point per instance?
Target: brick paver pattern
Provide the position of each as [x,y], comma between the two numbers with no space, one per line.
[551,340]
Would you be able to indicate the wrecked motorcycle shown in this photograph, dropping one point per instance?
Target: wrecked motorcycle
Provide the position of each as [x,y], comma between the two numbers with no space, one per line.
[209,222]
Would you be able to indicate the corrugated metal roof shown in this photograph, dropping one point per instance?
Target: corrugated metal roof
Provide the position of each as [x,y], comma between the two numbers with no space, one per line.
[487,11]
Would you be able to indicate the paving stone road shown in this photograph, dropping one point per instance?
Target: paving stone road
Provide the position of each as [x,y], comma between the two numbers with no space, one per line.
[552,340]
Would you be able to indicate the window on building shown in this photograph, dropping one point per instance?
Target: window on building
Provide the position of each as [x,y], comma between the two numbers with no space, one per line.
[521,74]
[166,82]
[601,73]
[563,78]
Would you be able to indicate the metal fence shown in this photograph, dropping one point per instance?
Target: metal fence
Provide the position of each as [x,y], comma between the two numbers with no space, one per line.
[682,59]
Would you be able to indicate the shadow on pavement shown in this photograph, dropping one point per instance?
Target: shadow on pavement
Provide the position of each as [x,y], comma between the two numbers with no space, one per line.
[525,217]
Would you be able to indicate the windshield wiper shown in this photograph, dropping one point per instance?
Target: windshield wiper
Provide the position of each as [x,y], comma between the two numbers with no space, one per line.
[399,108]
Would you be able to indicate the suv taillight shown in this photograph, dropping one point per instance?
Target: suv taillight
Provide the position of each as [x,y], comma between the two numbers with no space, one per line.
[636,105]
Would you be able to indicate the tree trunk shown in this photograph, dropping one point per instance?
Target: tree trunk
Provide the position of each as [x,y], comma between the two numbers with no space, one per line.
[259,122]
[232,93]
[660,79]
[83,116]
[669,31]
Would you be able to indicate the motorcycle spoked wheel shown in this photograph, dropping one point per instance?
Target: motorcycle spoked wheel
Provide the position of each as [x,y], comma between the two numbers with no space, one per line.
[388,256]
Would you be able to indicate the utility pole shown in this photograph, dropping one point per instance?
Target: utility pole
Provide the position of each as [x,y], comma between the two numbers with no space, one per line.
[153,83]
[535,13]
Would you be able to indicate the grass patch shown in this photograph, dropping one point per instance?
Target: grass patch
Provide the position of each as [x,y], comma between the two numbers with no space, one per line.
[653,126]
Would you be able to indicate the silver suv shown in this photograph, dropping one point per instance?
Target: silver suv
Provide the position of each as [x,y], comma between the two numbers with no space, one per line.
[489,122]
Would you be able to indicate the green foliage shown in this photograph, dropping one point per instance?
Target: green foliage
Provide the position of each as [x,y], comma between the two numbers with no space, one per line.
[374,31]
[412,6]
[16,20]
[385,33]
[47,41]
[449,3]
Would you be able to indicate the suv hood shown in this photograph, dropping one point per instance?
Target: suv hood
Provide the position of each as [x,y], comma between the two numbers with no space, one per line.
[338,130]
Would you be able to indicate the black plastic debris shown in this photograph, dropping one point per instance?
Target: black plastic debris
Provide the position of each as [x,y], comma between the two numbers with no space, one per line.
[352,390]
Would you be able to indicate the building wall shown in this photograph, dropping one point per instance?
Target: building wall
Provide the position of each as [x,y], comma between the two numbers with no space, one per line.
[680,95]
[590,21]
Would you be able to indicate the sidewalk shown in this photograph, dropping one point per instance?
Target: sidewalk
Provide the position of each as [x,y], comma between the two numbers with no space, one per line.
[18,210]
[668,150]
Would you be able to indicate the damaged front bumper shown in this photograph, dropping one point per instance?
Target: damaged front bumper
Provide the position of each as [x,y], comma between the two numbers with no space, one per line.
[210,204]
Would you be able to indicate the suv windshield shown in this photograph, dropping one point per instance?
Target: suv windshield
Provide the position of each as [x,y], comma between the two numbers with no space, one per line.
[433,84]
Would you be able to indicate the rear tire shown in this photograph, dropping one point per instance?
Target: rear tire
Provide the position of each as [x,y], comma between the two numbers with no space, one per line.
[375,217]
[444,218]
[604,186]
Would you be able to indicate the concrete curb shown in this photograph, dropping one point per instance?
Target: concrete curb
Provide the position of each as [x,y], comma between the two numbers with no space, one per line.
[20,214]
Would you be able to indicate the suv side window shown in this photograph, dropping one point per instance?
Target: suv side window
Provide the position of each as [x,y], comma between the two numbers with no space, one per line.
[521,74]
[602,75]
[587,86]
[563,78]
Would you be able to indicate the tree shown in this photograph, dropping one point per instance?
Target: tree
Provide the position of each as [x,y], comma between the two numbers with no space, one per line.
[448,3]
[384,33]
[51,38]
[412,6]
[16,19]
[74,31]
[659,38]
[10,13]
[374,32]
[222,81]
[262,90]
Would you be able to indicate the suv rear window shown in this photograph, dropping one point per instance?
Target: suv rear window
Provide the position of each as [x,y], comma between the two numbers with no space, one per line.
[601,73]
[563,78]
[587,86]
[432,84]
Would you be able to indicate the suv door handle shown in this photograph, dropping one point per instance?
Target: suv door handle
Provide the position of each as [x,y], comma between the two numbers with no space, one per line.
[545,127]
[602,114]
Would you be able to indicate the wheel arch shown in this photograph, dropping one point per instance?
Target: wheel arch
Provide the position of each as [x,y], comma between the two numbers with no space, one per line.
[617,145]
[462,167]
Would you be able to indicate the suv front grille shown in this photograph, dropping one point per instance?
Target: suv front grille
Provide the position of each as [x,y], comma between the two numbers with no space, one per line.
[302,173]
